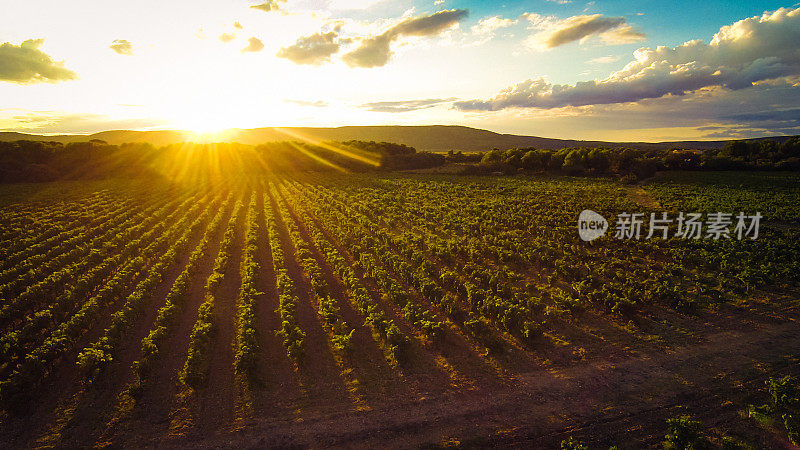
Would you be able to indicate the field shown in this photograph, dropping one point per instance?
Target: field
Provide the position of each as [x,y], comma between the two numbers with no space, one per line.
[397,310]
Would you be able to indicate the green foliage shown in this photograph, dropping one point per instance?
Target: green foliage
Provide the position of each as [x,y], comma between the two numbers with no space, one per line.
[573,444]
[684,433]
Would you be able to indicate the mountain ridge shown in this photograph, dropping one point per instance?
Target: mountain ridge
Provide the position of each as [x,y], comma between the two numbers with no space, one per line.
[436,138]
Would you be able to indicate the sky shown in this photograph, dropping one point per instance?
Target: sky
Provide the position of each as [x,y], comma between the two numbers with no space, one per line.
[606,70]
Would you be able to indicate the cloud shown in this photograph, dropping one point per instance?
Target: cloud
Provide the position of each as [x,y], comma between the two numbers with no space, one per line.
[312,50]
[749,51]
[429,25]
[553,33]
[376,51]
[622,35]
[122,47]
[405,106]
[766,109]
[269,5]
[373,52]
[314,103]
[25,64]
[349,5]
[61,122]
[604,60]
[237,25]
[227,37]
[489,25]
[253,45]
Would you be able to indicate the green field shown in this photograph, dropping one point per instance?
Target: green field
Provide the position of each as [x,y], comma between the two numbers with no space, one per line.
[316,305]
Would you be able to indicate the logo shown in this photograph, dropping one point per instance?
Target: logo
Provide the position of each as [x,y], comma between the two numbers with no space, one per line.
[591,225]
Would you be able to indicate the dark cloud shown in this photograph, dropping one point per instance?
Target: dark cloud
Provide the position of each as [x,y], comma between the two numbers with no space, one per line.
[579,27]
[122,47]
[554,33]
[405,106]
[253,45]
[761,110]
[376,51]
[313,50]
[739,55]
[772,115]
[372,52]
[25,63]
[429,25]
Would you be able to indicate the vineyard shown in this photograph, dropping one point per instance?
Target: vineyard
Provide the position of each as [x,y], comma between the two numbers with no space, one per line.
[394,309]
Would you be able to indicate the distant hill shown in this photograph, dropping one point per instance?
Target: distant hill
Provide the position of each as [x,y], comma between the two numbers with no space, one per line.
[437,138]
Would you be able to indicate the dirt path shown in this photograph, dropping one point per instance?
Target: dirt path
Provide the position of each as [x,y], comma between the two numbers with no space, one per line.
[642,197]
[629,399]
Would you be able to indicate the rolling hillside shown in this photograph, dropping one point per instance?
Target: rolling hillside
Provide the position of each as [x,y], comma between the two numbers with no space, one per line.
[437,138]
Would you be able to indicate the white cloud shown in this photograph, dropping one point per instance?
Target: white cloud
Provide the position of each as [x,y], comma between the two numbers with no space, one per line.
[489,25]
[739,55]
[604,60]
[122,47]
[227,37]
[253,45]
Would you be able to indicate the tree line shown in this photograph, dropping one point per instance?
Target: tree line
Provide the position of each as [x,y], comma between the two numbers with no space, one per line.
[634,163]
[35,161]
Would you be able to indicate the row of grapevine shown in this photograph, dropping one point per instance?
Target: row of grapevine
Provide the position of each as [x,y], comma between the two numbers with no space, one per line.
[368,258]
[14,344]
[389,335]
[339,332]
[37,363]
[194,370]
[246,342]
[95,357]
[292,335]
[69,271]
[174,303]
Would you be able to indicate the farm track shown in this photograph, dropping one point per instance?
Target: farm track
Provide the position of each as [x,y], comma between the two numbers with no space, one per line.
[611,399]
